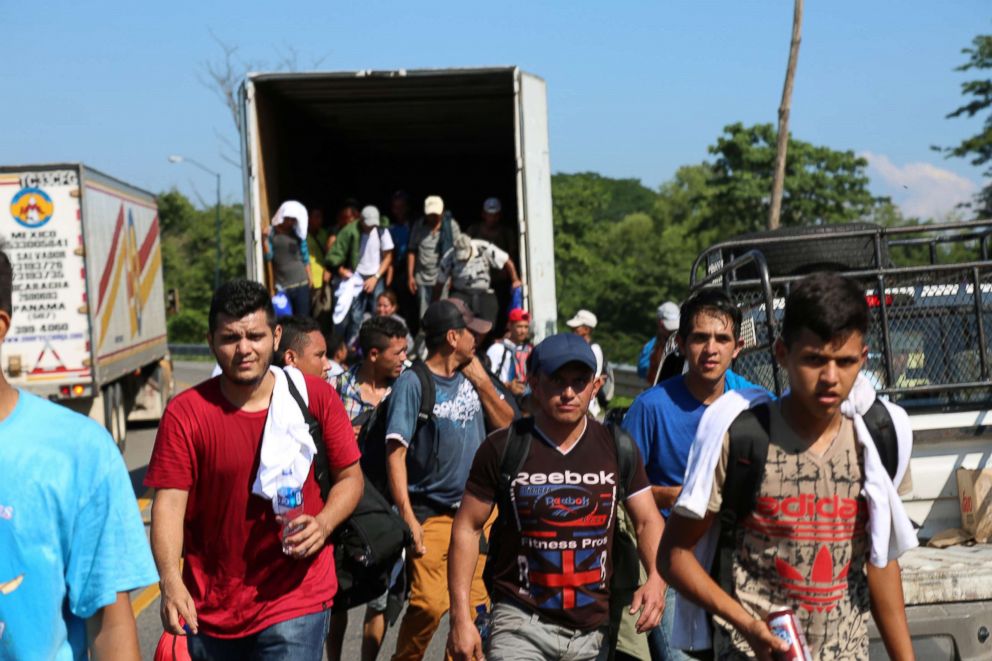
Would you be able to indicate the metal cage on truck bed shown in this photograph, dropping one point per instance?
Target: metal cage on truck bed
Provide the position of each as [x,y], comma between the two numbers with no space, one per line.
[929,291]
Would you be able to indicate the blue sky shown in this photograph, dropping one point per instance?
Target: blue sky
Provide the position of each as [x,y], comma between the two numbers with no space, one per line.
[636,89]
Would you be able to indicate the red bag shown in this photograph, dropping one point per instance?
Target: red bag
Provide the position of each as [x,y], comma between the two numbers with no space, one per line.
[171,648]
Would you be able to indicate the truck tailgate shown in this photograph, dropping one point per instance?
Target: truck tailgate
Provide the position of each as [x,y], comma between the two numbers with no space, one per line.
[958,573]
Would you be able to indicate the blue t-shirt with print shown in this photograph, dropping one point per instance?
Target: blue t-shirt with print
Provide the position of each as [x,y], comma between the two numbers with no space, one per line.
[437,472]
[663,421]
[71,536]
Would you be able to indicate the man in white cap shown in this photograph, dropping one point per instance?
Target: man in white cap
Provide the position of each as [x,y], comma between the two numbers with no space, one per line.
[431,237]
[364,249]
[468,267]
[649,362]
[583,324]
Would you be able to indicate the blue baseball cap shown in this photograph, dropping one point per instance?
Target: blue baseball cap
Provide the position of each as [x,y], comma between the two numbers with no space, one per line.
[556,351]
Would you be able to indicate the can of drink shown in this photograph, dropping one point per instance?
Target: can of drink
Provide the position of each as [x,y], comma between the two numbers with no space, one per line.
[785,625]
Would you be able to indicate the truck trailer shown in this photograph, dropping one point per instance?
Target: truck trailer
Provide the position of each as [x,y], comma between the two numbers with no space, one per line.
[88,325]
[463,134]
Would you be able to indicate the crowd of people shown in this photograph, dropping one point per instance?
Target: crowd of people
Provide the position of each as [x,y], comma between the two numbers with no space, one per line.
[542,532]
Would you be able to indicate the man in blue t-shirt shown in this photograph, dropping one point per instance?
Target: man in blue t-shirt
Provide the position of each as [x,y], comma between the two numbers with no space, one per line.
[428,468]
[663,419]
[72,544]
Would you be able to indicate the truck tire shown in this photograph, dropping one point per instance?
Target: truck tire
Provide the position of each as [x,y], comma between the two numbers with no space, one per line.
[114,414]
[826,252]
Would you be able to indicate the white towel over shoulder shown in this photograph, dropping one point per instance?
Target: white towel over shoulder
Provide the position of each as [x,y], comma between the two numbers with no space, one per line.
[889,527]
[286,441]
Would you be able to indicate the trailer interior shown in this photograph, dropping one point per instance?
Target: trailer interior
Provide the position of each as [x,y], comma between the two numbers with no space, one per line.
[329,137]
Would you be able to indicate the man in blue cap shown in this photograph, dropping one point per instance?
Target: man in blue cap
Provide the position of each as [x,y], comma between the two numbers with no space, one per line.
[552,554]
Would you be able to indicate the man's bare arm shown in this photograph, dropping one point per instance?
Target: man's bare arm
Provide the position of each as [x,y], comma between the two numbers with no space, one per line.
[168,513]
[680,567]
[396,473]
[112,633]
[665,497]
[889,609]
[650,598]
[463,555]
[497,411]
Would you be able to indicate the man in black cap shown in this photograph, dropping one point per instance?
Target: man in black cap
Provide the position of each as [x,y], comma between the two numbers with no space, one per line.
[428,466]
[552,550]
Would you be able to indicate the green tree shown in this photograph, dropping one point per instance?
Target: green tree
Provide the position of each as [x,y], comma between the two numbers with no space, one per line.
[977,148]
[188,258]
[822,185]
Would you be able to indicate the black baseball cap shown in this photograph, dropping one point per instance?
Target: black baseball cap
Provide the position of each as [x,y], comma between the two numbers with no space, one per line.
[452,314]
[556,351]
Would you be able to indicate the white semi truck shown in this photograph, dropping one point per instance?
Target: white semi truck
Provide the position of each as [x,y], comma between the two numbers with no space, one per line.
[88,326]
[463,134]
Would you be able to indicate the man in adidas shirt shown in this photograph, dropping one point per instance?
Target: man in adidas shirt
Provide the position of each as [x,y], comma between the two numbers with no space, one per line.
[551,573]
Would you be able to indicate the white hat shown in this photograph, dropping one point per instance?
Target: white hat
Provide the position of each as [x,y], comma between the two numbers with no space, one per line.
[370,216]
[582,318]
[433,205]
[492,205]
[668,315]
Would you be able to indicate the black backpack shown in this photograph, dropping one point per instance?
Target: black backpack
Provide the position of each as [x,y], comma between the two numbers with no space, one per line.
[372,437]
[370,541]
[626,562]
[746,456]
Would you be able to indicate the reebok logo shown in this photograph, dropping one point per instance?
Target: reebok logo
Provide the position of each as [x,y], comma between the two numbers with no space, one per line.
[568,477]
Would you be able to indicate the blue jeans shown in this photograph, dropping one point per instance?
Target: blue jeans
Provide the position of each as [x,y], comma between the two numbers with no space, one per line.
[659,639]
[362,303]
[299,299]
[301,638]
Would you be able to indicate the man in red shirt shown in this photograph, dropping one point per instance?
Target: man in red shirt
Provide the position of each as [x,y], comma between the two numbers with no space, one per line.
[240,595]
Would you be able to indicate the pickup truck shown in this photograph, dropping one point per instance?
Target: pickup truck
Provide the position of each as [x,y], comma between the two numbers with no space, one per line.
[929,290]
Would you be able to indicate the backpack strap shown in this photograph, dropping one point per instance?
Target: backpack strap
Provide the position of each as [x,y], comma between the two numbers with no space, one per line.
[428,393]
[627,457]
[321,467]
[746,456]
[883,433]
[510,461]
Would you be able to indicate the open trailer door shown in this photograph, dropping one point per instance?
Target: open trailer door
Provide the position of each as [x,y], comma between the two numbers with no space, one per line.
[534,205]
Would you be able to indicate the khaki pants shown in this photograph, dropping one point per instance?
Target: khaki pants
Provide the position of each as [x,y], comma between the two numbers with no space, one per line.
[429,589]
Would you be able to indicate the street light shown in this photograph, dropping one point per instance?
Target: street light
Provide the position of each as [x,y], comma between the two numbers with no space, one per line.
[175,158]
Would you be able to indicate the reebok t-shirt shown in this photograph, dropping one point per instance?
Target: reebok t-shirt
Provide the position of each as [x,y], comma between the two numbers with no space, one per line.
[235,570]
[554,558]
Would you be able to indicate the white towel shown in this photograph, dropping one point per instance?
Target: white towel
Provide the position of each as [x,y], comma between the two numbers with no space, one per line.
[889,528]
[286,440]
[345,294]
[293,209]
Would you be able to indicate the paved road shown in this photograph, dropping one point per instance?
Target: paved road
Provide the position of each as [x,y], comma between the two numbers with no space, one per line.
[140,438]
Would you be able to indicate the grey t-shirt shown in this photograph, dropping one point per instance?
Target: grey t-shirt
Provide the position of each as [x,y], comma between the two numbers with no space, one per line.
[287,261]
[459,428]
[424,243]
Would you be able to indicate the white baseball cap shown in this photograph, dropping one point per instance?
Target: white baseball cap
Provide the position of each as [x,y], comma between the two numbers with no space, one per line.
[370,216]
[433,205]
[668,315]
[582,318]
[492,205]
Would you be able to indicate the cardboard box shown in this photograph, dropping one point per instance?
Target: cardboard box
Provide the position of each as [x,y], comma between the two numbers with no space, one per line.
[975,496]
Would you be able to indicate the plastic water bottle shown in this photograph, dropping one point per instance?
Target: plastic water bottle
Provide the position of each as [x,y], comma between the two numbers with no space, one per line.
[483,622]
[288,504]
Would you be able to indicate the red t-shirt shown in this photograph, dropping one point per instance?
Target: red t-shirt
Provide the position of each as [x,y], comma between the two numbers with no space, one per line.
[235,570]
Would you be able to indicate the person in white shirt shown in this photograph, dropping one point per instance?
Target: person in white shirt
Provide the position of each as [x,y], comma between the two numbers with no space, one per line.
[508,355]
[368,256]
[468,267]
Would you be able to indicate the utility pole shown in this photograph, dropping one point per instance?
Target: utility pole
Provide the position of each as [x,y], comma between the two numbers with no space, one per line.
[778,183]
[181,159]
